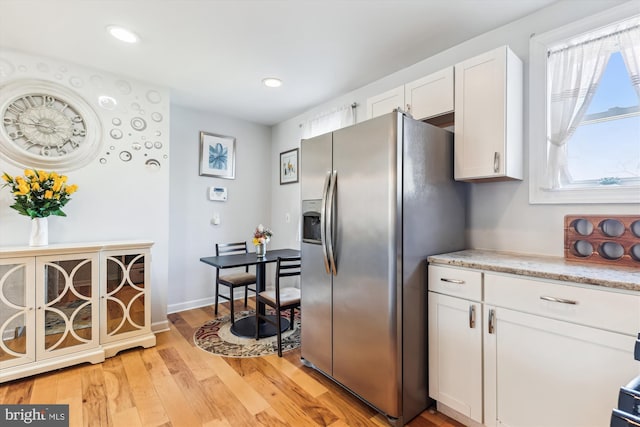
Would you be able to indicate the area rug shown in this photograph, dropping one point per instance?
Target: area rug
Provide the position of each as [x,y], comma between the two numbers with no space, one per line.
[215,337]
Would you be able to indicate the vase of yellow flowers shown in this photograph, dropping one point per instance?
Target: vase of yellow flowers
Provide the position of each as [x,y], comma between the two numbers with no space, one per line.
[261,237]
[39,194]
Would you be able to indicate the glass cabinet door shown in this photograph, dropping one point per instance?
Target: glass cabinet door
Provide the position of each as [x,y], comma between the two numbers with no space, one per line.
[17,316]
[67,312]
[123,297]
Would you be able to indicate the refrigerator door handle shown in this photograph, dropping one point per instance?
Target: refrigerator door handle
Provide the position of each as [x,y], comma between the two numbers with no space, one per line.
[323,221]
[331,223]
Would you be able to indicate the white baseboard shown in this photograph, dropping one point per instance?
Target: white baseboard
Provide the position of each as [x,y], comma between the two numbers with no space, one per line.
[203,302]
[162,326]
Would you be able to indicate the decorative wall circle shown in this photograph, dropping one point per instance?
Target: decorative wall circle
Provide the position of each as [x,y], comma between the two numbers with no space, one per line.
[103,161]
[136,146]
[148,145]
[154,97]
[125,156]
[136,106]
[115,133]
[138,123]
[166,156]
[152,164]
[112,147]
[157,117]
[157,145]
[116,121]
[47,125]
[6,68]
[107,102]
[76,81]
[124,87]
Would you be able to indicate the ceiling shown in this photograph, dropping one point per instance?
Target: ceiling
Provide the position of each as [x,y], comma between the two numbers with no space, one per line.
[213,54]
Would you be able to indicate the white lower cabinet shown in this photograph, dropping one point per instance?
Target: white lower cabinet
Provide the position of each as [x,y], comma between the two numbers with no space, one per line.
[551,353]
[66,304]
[455,340]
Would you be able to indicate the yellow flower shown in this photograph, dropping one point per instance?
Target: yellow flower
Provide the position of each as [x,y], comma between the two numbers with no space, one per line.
[20,181]
[23,189]
[35,186]
[53,175]
[48,194]
[42,175]
[57,184]
[72,189]
[63,178]
[7,177]
[29,173]
[255,241]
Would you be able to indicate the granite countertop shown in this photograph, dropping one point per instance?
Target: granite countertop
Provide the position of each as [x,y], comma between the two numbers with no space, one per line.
[545,267]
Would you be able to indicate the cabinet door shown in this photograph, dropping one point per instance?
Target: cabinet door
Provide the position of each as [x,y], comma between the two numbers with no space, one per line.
[543,372]
[455,354]
[66,296]
[123,302]
[17,314]
[430,96]
[480,105]
[385,102]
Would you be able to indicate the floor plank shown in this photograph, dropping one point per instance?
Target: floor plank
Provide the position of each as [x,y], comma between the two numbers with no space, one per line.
[177,384]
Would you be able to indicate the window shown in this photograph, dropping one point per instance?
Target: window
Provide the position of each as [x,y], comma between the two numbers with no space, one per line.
[585,114]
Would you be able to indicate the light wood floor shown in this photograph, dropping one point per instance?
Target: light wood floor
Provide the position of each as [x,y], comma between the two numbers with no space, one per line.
[177,384]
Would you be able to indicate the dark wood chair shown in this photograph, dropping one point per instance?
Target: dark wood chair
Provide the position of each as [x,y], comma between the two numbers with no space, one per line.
[279,298]
[235,279]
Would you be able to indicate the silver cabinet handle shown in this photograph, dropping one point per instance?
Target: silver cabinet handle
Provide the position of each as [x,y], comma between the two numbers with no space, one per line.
[496,162]
[472,316]
[560,300]
[456,281]
[490,323]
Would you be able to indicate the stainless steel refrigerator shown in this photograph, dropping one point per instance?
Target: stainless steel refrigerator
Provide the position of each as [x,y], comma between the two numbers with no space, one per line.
[378,197]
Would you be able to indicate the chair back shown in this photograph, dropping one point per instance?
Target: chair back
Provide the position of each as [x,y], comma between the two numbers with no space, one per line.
[286,267]
[232,249]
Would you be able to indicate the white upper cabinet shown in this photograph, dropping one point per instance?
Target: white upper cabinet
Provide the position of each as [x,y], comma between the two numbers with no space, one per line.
[430,96]
[488,116]
[385,102]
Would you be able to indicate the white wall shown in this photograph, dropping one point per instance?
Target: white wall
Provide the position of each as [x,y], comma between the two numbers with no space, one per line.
[116,199]
[191,234]
[500,216]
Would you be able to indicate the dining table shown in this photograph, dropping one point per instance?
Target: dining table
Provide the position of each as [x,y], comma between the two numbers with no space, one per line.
[246,327]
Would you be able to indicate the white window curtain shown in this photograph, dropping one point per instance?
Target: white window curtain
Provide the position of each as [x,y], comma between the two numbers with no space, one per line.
[629,42]
[573,76]
[328,121]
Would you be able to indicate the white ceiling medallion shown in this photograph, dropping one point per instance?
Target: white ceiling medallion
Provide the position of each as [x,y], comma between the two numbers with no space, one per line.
[123,34]
[47,126]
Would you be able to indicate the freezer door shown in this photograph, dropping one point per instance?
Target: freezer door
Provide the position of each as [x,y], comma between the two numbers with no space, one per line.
[315,282]
[366,324]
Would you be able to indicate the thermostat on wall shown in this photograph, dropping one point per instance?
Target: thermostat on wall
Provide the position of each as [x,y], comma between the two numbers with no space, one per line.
[218,194]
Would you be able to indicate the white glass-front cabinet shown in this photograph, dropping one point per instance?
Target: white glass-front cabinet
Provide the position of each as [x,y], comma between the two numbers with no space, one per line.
[125,304]
[66,304]
[17,311]
[489,116]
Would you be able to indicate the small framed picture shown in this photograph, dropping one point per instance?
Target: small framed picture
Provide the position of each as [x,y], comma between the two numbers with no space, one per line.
[217,155]
[289,166]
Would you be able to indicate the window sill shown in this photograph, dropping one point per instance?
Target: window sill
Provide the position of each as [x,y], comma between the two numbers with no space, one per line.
[586,195]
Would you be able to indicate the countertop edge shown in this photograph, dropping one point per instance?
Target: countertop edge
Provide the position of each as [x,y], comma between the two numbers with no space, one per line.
[553,268]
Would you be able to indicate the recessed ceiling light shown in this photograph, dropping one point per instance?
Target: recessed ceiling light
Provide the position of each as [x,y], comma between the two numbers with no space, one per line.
[123,34]
[272,82]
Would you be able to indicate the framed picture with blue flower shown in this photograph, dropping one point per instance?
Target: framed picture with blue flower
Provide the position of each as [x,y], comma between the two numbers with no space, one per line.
[217,155]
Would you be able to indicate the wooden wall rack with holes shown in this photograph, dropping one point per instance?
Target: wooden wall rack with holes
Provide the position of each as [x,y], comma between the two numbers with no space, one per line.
[613,240]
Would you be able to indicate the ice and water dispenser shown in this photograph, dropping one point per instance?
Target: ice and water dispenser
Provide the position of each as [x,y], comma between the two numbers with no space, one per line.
[311,221]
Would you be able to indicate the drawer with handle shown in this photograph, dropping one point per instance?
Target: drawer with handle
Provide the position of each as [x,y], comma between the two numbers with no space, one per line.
[604,309]
[459,282]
